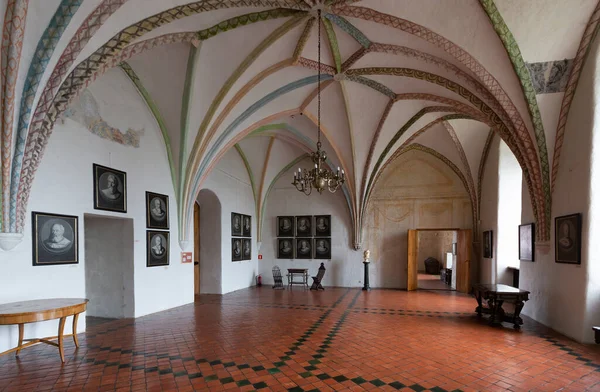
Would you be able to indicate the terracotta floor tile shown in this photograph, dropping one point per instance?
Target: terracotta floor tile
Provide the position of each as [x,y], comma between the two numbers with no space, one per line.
[336,340]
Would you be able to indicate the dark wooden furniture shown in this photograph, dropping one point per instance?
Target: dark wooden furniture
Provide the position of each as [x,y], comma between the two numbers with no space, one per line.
[446,276]
[297,272]
[515,275]
[596,334]
[432,266]
[316,284]
[25,312]
[496,295]
[277,278]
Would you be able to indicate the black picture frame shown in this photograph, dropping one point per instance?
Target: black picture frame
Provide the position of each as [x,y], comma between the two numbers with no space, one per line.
[303,226]
[246,249]
[527,242]
[488,244]
[236,249]
[246,226]
[157,252]
[236,224]
[285,226]
[157,211]
[567,239]
[285,248]
[322,247]
[304,248]
[322,225]
[110,189]
[55,239]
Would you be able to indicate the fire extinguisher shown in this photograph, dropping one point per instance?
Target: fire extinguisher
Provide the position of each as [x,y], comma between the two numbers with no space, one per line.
[259,280]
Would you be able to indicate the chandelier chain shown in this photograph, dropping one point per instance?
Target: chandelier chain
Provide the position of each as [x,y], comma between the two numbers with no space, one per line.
[319,85]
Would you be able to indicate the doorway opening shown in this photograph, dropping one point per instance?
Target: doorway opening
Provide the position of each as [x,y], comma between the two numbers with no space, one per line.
[209,244]
[109,268]
[425,270]
[436,259]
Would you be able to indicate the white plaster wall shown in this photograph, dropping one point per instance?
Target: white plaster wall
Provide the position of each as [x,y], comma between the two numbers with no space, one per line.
[509,214]
[109,274]
[230,183]
[489,211]
[63,185]
[345,269]
[210,242]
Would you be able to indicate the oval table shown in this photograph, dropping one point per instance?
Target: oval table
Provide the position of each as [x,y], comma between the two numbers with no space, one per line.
[25,312]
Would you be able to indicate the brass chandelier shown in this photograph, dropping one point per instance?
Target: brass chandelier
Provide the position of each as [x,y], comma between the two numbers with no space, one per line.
[319,177]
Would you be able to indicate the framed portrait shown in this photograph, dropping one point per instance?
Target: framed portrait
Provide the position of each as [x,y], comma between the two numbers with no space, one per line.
[285,248]
[157,211]
[285,226]
[488,244]
[236,249]
[246,226]
[157,248]
[246,249]
[527,242]
[55,239]
[567,239]
[304,226]
[322,248]
[110,189]
[322,225]
[236,224]
[304,248]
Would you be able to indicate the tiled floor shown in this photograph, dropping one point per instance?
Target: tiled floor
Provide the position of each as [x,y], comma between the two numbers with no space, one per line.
[337,339]
[431,282]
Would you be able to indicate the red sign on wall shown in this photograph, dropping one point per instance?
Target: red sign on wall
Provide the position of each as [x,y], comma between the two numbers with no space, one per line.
[260,257]
[186,257]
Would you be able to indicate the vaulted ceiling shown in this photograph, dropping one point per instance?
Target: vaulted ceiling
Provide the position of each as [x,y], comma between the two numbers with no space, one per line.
[440,76]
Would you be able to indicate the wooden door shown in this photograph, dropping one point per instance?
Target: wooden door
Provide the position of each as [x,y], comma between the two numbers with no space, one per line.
[196,249]
[463,261]
[413,245]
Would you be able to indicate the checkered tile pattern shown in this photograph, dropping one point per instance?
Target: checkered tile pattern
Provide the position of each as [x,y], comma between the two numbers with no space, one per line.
[298,340]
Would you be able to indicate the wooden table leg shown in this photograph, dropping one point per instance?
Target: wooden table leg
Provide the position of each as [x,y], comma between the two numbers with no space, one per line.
[75,318]
[61,346]
[21,328]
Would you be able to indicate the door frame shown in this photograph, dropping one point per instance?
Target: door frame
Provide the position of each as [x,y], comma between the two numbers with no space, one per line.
[463,258]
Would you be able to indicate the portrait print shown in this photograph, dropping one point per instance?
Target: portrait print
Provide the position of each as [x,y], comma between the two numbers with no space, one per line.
[304,226]
[236,249]
[526,242]
[246,249]
[323,248]
[488,242]
[157,211]
[285,248]
[55,239]
[323,226]
[304,248]
[567,239]
[285,226]
[110,189]
[157,244]
[236,224]
[246,226]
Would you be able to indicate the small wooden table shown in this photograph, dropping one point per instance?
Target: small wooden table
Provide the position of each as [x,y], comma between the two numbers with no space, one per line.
[25,312]
[303,272]
[496,294]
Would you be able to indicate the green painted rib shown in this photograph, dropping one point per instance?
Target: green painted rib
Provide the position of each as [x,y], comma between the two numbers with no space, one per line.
[303,39]
[514,53]
[333,44]
[157,116]
[186,100]
[250,173]
[248,61]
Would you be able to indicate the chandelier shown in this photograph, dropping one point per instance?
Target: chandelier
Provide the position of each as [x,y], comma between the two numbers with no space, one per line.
[319,177]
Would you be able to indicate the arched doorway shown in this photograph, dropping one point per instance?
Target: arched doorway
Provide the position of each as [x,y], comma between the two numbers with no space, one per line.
[207,243]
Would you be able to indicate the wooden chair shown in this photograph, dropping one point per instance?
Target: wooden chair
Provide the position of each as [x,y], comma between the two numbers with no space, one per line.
[316,285]
[277,278]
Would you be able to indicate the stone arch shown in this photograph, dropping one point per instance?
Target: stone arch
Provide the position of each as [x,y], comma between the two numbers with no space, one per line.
[210,242]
